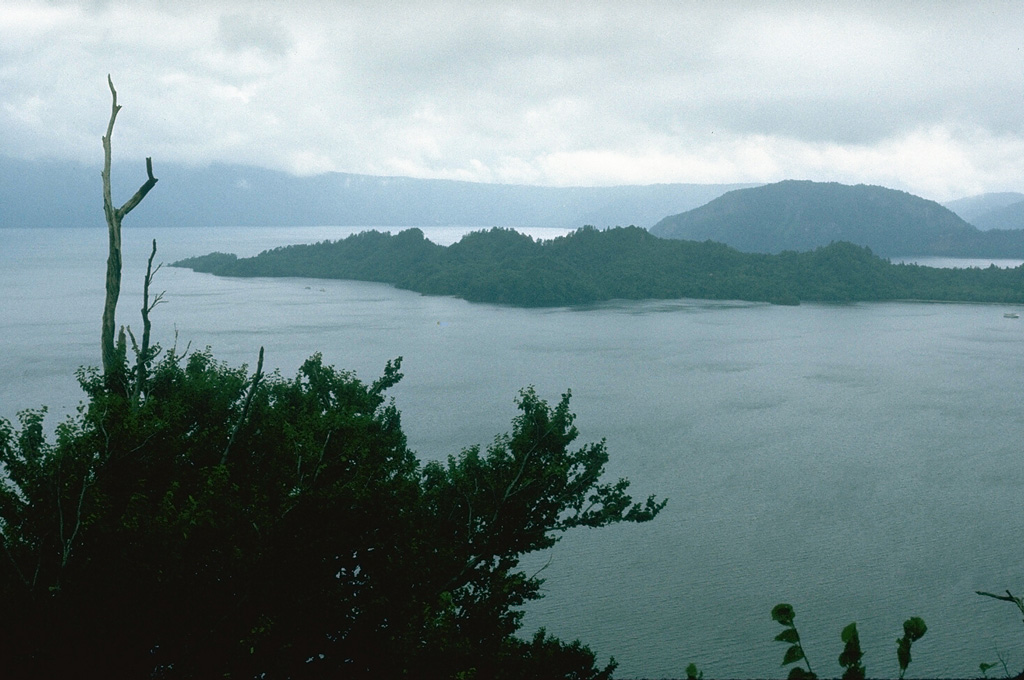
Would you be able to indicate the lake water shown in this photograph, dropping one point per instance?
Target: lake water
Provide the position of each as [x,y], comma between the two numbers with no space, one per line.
[862,462]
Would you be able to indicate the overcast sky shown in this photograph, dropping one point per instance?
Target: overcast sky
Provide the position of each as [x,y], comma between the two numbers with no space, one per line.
[922,96]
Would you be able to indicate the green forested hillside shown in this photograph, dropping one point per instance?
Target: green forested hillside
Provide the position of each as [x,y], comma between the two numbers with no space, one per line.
[506,267]
[803,215]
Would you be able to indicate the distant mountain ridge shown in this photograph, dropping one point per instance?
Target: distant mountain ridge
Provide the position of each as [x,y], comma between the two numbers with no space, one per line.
[973,208]
[52,194]
[802,215]
[1007,217]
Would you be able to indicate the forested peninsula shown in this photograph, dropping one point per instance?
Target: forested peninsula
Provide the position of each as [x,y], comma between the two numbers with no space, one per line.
[589,265]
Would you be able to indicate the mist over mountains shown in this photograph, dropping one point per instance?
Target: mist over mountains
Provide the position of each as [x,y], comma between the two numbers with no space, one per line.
[52,194]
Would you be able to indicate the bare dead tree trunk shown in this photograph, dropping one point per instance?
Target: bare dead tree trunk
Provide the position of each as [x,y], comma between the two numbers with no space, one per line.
[142,354]
[114,216]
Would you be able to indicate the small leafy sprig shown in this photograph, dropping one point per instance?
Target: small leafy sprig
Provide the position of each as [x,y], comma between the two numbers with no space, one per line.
[914,629]
[852,654]
[784,614]
[986,667]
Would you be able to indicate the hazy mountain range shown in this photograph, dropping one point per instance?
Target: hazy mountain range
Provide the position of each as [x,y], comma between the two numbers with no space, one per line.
[51,194]
[974,207]
[790,215]
[803,215]
[1007,217]
[1003,210]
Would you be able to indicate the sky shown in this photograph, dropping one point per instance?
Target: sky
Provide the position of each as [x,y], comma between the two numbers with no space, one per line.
[927,97]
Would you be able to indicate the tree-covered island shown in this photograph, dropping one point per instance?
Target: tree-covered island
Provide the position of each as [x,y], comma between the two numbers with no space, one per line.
[589,265]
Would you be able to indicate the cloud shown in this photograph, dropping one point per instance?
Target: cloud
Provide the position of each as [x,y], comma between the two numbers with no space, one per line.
[925,96]
[239,32]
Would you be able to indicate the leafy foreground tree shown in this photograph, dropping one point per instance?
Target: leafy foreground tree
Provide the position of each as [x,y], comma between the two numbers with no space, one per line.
[216,524]
[193,522]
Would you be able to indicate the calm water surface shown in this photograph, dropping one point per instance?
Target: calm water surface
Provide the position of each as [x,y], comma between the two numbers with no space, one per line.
[861,462]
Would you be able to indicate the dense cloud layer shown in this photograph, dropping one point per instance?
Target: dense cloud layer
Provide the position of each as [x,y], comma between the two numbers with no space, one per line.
[924,96]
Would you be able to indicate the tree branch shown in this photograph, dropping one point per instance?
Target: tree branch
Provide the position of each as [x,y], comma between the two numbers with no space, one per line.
[78,523]
[245,408]
[142,358]
[14,563]
[141,193]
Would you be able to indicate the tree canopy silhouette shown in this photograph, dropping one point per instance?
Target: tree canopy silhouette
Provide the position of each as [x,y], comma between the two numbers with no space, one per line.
[193,520]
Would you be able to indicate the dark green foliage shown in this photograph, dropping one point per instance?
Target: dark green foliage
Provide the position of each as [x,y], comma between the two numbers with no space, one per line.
[852,654]
[139,543]
[913,630]
[506,267]
[784,614]
[692,673]
[546,657]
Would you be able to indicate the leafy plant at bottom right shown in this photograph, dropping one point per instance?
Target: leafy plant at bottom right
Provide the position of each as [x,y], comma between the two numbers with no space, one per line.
[914,629]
